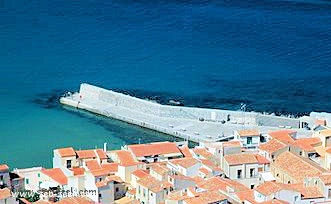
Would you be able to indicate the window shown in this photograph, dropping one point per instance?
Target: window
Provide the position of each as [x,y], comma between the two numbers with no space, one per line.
[144,192]
[40,183]
[300,153]
[100,196]
[68,164]
[151,194]
[139,189]
[249,140]
[27,181]
[38,175]
[252,186]
[117,189]
[1,178]
[251,172]
[239,174]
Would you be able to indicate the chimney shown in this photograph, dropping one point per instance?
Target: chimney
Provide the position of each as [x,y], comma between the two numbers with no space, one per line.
[105,147]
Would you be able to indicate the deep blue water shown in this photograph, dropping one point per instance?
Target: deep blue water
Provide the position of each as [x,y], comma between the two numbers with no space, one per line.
[273,55]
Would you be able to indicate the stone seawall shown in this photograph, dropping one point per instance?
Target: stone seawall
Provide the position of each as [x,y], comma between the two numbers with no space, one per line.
[195,124]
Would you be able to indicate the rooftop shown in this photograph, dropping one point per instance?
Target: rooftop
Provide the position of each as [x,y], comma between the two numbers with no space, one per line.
[56,174]
[248,133]
[300,167]
[238,159]
[153,184]
[184,162]
[86,154]
[67,152]
[272,146]
[283,135]
[152,149]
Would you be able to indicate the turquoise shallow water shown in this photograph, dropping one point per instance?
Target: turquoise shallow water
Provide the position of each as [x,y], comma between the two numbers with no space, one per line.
[273,55]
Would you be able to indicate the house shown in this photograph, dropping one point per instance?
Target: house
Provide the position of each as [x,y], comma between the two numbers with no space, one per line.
[250,139]
[306,147]
[271,149]
[297,171]
[263,163]
[291,193]
[214,196]
[31,177]
[152,191]
[64,158]
[242,168]
[179,181]
[160,171]
[155,152]
[6,197]
[52,178]
[324,136]
[266,191]
[322,182]
[186,166]
[4,176]
[212,168]
[136,175]
[285,136]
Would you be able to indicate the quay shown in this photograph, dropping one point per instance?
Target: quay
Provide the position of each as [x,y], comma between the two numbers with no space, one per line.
[189,123]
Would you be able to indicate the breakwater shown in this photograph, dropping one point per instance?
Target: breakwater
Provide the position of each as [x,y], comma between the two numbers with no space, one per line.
[195,124]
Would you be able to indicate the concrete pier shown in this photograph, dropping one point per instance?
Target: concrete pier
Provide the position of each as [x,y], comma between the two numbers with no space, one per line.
[194,124]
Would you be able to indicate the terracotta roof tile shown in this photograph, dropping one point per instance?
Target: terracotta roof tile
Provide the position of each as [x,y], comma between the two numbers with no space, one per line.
[3,167]
[67,152]
[86,154]
[210,164]
[300,167]
[140,173]
[206,197]
[93,165]
[76,200]
[246,195]
[268,188]
[78,171]
[233,143]
[283,135]
[125,157]
[261,159]
[307,144]
[325,178]
[185,162]
[140,150]
[185,151]
[203,152]
[237,159]
[56,174]
[218,183]
[272,146]
[111,167]
[153,184]
[160,168]
[204,171]
[247,133]
[4,193]
[101,154]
